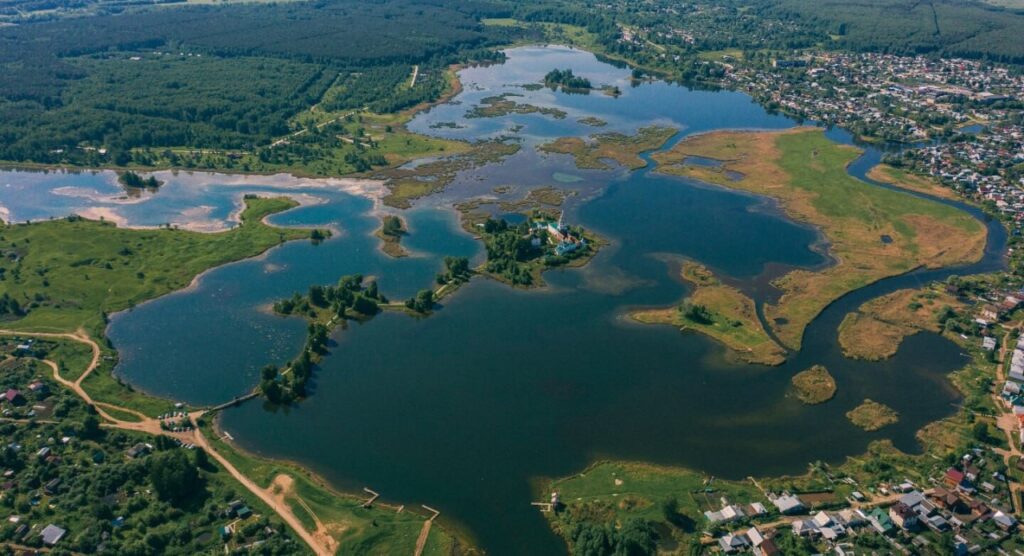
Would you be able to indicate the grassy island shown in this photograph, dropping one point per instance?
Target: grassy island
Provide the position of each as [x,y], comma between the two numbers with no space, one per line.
[876,330]
[132,180]
[567,81]
[721,312]
[592,121]
[872,416]
[391,231]
[872,232]
[503,105]
[814,385]
[623,149]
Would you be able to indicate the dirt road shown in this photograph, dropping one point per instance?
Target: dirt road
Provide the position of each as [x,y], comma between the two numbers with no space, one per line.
[322,544]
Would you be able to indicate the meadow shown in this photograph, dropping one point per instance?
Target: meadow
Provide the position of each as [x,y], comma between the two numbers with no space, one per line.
[71,273]
[872,232]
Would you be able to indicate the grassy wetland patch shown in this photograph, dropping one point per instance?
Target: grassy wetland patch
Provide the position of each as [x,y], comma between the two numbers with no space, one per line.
[873,232]
[876,329]
[503,105]
[622,149]
[721,312]
[814,385]
[872,416]
[408,184]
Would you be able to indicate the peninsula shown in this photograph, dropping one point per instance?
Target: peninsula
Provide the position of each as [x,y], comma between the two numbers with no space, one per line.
[871,232]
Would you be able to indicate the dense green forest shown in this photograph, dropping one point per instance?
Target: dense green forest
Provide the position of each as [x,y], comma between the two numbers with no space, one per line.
[948,27]
[225,77]
[231,78]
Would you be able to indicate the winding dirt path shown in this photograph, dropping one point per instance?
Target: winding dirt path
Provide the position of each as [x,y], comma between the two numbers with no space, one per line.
[1008,423]
[279,506]
[321,543]
[281,487]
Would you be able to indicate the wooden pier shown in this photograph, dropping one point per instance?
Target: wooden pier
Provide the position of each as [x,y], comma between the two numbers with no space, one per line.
[373,497]
[421,542]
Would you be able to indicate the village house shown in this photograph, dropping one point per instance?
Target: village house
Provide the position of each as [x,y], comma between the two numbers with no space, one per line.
[948,500]
[138,450]
[788,504]
[732,543]
[51,535]
[14,397]
[880,521]
[728,513]
[954,478]
[40,389]
[990,313]
[1004,521]
[903,516]
[751,539]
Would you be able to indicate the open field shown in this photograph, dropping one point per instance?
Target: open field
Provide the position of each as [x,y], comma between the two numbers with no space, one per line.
[876,330]
[872,232]
[623,149]
[71,273]
[731,319]
[871,415]
[721,55]
[814,385]
[611,493]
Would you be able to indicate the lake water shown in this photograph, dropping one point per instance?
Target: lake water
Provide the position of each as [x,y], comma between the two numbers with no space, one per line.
[469,409]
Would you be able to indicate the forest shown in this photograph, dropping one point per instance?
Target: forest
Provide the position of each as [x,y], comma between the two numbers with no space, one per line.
[220,77]
[946,27]
[229,80]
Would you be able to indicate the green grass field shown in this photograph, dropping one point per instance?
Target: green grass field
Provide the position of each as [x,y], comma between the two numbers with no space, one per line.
[70,273]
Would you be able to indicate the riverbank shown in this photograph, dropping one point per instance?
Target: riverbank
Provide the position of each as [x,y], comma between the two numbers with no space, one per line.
[353,522]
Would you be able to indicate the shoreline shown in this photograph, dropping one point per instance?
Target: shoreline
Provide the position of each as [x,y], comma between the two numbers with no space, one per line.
[458,532]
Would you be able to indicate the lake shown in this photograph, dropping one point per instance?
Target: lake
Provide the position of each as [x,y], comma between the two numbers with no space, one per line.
[470,409]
